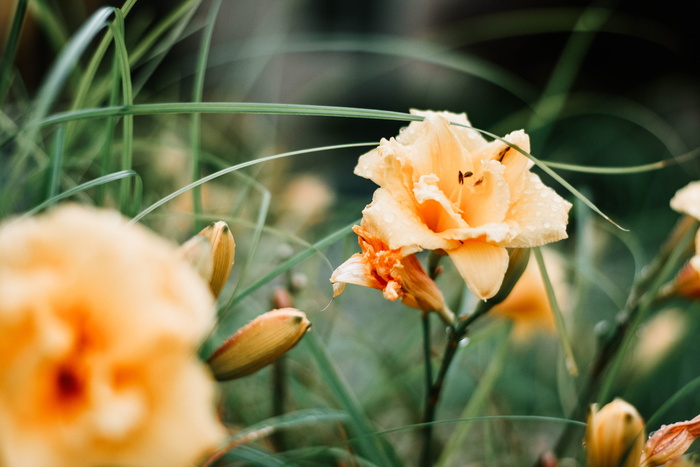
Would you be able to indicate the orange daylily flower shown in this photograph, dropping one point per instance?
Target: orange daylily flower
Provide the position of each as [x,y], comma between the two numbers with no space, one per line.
[670,442]
[395,273]
[444,187]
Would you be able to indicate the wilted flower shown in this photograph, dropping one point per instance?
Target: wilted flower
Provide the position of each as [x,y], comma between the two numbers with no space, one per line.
[444,187]
[259,343]
[99,326]
[395,274]
[670,442]
[211,253]
[614,435]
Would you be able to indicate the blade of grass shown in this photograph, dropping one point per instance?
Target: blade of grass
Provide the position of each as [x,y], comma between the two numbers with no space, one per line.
[49,91]
[291,262]
[11,43]
[122,57]
[553,98]
[368,443]
[267,427]
[223,107]
[690,155]
[236,167]
[82,187]
[476,401]
[558,318]
[197,90]
[55,163]
[110,123]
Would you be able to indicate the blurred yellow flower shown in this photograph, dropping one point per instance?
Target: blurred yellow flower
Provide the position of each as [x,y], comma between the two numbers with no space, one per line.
[614,435]
[99,326]
[444,187]
[527,305]
[395,274]
[687,200]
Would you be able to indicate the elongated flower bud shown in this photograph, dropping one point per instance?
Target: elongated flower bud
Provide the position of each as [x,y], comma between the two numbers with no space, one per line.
[258,343]
[211,252]
[614,435]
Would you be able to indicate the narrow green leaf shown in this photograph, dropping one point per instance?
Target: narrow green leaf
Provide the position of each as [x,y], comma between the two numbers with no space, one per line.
[197,90]
[82,187]
[12,41]
[369,444]
[55,163]
[558,318]
[236,167]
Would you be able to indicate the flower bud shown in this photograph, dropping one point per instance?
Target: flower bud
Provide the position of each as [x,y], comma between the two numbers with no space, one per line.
[211,253]
[258,343]
[614,435]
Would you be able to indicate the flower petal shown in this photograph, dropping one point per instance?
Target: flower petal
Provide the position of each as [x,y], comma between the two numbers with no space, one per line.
[539,213]
[482,266]
[397,224]
[687,200]
[486,200]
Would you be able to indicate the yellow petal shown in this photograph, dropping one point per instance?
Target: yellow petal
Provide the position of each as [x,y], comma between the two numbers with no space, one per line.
[687,200]
[399,226]
[481,265]
[487,199]
[540,214]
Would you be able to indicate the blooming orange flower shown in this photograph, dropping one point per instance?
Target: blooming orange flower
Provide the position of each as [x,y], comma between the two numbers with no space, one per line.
[395,273]
[99,326]
[444,187]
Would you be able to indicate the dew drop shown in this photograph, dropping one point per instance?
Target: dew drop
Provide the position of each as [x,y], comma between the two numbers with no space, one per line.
[389,217]
[547,225]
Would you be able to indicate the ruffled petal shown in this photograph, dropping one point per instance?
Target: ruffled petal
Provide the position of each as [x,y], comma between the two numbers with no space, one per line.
[398,225]
[540,214]
[487,199]
[482,266]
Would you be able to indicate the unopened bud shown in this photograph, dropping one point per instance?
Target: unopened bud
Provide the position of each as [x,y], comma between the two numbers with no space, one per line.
[614,435]
[211,252]
[258,343]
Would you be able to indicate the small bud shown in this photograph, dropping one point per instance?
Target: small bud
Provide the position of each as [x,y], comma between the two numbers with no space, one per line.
[614,435]
[670,442]
[258,343]
[211,252]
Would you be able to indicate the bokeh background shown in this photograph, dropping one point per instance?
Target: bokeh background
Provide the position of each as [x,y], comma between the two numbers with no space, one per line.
[611,84]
